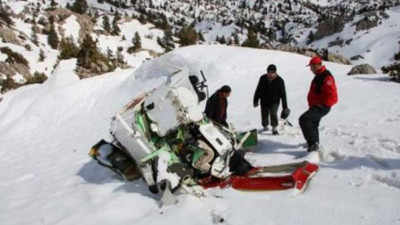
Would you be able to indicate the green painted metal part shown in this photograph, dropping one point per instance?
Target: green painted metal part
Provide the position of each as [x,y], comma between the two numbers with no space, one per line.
[140,122]
[172,159]
[252,139]
[197,153]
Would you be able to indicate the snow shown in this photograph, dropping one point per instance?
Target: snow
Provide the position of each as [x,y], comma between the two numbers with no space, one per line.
[163,174]
[46,131]
[17,6]
[323,3]
[218,29]
[148,36]
[71,28]
[3,57]
[19,78]
[23,27]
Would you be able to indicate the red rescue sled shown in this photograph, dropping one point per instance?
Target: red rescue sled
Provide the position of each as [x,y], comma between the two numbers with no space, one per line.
[294,175]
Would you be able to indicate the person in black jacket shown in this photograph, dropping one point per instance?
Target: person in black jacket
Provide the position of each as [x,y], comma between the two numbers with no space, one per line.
[270,90]
[217,104]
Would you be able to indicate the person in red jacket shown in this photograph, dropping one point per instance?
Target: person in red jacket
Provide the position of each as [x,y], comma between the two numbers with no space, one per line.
[321,97]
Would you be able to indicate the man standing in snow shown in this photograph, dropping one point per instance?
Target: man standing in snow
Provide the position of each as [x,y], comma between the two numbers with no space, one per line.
[217,104]
[321,97]
[270,90]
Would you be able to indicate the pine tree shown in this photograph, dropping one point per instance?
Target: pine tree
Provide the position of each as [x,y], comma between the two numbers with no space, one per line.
[252,40]
[80,6]
[167,41]
[116,29]
[42,55]
[142,18]
[106,23]
[88,51]
[310,38]
[201,37]
[52,38]
[236,39]
[68,6]
[120,57]
[243,4]
[137,43]
[53,4]
[110,54]
[397,55]
[222,40]
[68,49]
[35,38]
[187,36]
[95,16]
[51,20]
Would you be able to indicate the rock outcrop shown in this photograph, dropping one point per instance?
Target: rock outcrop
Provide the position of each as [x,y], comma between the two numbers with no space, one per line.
[8,35]
[362,69]
[328,27]
[369,21]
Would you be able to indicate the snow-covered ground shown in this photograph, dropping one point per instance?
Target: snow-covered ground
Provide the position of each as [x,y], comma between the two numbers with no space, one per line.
[46,131]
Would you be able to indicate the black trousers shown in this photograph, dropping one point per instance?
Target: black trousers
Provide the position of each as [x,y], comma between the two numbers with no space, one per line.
[309,123]
[269,111]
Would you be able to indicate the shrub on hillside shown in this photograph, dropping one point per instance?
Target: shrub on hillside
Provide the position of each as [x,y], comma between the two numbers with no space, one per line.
[137,44]
[5,16]
[91,59]
[37,78]
[52,39]
[393,70]
[68,49]
[8,84]
[397,56]
[252,40]
[14,57]
[187,36]
[79,6]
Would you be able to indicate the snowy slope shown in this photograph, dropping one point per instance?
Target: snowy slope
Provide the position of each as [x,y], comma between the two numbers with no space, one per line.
[70,27]
[377,45]
[46,131]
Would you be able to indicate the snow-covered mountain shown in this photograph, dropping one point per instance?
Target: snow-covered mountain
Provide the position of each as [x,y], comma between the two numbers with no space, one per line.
[363,31]
[46,131]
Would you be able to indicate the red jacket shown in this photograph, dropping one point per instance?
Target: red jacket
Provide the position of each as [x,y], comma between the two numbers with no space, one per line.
[323,89]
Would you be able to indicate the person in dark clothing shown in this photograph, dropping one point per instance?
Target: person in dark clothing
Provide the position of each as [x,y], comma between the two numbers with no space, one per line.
[270,90]
[321,97]
[217,104]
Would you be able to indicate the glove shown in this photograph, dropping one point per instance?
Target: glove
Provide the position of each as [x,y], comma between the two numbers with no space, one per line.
[285,113]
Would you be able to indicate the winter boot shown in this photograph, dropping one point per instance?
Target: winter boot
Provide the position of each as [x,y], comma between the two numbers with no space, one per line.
[275,130]
[265,128]
[313,147]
